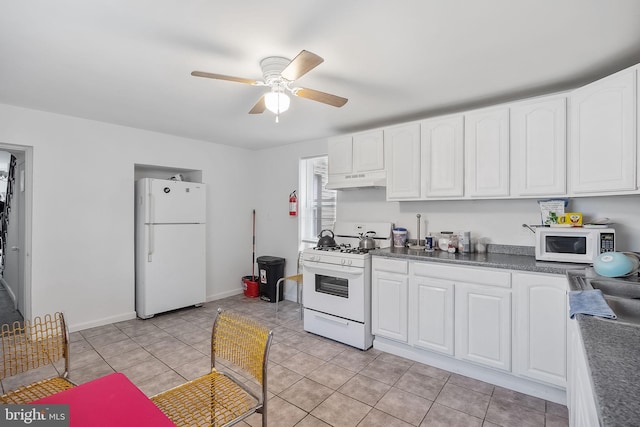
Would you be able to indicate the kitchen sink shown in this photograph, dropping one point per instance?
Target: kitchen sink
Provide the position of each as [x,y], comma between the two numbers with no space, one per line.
[623,296]
[618,288]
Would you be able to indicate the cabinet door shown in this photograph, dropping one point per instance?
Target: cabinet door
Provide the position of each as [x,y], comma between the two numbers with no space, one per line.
[486,144]
[540,327]
[389,305]
[431,314]
[483,325]
[402,145]
[340,151]
[603,139]
[443,157]
[368,152]
[538,147]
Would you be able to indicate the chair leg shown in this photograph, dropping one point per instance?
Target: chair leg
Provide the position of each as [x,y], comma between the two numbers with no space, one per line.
[299,298]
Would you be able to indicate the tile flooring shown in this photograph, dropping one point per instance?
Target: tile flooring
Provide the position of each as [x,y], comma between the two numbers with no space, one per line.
[312,381]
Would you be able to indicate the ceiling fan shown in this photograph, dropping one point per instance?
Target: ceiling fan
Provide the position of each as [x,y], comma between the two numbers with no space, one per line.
[279,74]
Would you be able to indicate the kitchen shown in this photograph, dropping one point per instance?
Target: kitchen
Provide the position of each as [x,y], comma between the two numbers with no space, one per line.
[68,252]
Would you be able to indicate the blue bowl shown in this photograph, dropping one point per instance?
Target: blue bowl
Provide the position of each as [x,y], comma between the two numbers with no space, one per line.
[613,264]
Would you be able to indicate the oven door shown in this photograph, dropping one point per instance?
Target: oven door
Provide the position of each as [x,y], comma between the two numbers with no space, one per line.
[335,289]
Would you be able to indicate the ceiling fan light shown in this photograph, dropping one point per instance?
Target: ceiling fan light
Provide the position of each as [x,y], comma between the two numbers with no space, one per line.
[277,102]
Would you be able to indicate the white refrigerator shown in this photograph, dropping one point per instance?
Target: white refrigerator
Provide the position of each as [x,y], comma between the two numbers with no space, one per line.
[170,245]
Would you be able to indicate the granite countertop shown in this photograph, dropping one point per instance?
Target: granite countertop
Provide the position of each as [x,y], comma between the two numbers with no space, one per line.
[497,256]
[613,356]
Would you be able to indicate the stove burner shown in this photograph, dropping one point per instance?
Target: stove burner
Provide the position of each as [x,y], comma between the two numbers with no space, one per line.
[343,248]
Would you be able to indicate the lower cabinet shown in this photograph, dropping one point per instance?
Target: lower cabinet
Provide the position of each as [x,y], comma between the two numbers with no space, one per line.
[389,299]
[513,322]
[483,325]
[540,337]
[580,397]
[431,314]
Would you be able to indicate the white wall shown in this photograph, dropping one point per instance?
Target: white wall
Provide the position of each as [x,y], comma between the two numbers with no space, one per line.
[83,201]
[277,232]
[498,220]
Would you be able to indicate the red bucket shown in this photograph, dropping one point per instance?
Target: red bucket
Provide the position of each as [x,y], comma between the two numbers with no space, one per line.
[250,286]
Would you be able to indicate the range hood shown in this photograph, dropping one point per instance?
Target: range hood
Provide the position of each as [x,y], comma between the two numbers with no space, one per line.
[357,180]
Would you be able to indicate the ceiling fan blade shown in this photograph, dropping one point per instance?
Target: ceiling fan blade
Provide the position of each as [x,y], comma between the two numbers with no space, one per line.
[223,77]
[259,107]
[301,65]
[316,95]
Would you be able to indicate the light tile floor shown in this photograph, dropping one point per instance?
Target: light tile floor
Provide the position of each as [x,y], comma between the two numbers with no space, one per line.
[312,381]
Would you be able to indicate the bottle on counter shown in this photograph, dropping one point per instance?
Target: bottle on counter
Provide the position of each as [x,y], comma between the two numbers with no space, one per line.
[428,243]
[464,242]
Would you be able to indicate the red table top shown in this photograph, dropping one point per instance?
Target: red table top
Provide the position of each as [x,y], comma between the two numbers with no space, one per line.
[109,401]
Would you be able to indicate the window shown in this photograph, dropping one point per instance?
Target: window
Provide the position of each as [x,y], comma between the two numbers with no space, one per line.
[316,205]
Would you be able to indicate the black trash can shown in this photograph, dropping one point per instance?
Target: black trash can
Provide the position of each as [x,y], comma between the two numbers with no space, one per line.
[271,269]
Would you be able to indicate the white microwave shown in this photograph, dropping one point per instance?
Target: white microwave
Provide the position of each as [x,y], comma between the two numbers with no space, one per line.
[573,244]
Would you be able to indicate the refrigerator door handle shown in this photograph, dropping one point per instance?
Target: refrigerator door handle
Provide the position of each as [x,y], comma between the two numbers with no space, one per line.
[150,244]
[150,207]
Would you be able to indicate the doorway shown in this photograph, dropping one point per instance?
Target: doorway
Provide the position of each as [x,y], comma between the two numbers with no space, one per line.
[15,234]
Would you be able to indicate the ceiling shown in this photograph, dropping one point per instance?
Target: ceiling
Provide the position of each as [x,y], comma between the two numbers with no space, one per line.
[128,62]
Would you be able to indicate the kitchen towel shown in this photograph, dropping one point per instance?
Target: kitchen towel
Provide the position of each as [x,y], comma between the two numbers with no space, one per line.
[589,302]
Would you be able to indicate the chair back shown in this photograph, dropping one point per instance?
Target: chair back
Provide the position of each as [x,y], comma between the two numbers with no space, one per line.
[241,341]
[30,345]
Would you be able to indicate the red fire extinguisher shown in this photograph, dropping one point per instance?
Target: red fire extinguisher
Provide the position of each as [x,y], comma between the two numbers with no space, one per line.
[293,204]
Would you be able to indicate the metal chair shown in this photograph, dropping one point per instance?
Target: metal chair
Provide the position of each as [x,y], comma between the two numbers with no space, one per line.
[218,399]
[295,278]
[32,345]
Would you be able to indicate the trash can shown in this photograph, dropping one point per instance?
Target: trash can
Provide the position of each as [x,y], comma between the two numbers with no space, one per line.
[271,269]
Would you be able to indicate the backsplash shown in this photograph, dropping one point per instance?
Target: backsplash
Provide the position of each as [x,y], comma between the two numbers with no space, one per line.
[492,221]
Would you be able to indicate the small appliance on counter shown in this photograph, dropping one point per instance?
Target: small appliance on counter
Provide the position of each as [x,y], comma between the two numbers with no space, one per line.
[573,244]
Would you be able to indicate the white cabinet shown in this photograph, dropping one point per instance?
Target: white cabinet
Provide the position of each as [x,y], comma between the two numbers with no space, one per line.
[442,173]
[486,145]
[540,338]
[402,145]
[431,314]
[603,135]
[483,325]
[340,155]
[538,147]
[356,160]
[389,299]
[368,152]
[580,398]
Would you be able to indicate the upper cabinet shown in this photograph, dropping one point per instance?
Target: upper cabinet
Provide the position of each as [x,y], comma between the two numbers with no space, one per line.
[486,144]
[603,135]
[340,155]
[402,146]
[356,160]
[538,147]
[518,149]
[442,157]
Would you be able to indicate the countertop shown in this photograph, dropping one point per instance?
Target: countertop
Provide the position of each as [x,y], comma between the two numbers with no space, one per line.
[612,348]
[613,355]
[498,256]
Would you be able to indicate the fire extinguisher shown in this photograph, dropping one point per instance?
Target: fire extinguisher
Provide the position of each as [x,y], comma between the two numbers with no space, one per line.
[293,204]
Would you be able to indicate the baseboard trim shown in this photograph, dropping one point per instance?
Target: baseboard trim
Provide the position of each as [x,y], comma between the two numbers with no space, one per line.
[491,376]
[225,294]
[13,297]
[101,322]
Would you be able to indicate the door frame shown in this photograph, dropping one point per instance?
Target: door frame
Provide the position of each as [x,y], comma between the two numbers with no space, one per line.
[26,217]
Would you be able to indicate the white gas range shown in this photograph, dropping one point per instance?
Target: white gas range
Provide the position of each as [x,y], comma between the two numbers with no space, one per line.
[337,284]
